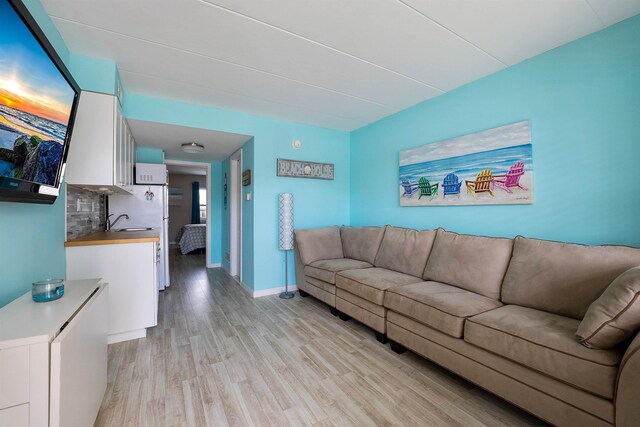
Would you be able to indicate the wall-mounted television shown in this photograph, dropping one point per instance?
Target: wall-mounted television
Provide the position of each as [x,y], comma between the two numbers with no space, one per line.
[38,100]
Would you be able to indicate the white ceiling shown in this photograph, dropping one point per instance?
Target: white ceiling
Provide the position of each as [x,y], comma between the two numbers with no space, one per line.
[186,170]
[217,145]
[339,64]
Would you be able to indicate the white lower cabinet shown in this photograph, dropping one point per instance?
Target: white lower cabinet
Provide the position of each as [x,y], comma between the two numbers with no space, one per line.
[130,269]
[16,416]
[53,357]
[14,381]
[79,366]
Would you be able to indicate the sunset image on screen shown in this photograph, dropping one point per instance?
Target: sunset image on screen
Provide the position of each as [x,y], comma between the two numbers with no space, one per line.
[16,94]
[35,105]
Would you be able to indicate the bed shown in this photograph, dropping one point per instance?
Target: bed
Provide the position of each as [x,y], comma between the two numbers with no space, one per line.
[192,237]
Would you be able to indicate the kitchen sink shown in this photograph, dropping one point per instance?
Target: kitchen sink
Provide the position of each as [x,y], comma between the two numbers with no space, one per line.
[133,229]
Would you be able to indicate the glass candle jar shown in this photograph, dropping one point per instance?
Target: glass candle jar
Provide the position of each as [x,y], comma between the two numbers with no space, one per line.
[47,290]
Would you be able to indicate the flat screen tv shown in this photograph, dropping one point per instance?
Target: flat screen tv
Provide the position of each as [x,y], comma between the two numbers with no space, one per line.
[38,99]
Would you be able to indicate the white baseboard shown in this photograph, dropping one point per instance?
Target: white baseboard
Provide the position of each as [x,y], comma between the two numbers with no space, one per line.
[262,292]
[126,336]
[225,269]
[246,288]
[273,291]
[243,285]
[214,265]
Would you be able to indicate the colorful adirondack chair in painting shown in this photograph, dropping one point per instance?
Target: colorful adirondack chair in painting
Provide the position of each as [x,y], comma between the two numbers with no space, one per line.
[511,178]
[451,185]
[482,184]
[427,189]
[409,188]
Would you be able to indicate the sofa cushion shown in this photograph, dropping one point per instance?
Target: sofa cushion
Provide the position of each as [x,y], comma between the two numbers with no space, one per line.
[405,250]
[370,283]
[361,243]
[321,284]
[326,269]
[440,306]
[474,263]
[319,243]
[364,304]
[615,316]
[563,278]
[547,343]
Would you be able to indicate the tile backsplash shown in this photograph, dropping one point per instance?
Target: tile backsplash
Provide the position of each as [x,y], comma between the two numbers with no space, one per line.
[86,212]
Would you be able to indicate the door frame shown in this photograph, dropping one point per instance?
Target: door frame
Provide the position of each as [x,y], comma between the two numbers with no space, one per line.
[206,166]
[235,214]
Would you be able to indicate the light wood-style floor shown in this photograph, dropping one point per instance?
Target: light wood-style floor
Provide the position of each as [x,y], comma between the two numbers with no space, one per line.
[219,357]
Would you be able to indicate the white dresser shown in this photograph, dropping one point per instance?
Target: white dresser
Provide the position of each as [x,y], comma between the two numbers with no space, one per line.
[53,357]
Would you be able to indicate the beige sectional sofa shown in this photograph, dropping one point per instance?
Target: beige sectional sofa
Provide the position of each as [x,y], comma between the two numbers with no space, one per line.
[502,313]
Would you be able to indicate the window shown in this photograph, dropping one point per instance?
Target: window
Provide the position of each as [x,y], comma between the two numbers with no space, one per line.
[203,205]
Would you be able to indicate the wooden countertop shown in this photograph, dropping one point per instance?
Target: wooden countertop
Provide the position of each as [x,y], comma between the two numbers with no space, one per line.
[115,238]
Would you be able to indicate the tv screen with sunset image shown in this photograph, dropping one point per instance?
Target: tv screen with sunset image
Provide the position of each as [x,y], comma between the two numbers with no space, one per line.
[35,105]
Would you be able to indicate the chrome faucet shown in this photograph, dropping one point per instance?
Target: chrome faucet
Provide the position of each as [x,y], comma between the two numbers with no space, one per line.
[110,224]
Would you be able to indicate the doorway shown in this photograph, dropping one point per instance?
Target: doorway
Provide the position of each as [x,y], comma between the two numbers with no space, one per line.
[184,237]
[235,215]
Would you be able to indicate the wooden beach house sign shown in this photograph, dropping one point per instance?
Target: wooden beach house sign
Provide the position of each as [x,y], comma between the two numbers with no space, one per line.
[301,169]
[492,167]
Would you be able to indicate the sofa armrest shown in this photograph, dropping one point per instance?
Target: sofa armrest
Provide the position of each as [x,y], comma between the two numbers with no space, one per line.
[627,398]
[319,243]
[300,279]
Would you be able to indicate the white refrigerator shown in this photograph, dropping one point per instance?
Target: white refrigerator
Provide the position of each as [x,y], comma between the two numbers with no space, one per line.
[148,206]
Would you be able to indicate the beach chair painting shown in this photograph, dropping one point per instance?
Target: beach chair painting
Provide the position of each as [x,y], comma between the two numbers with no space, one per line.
[427,189]
[482,184]
[451,185]
[469,169]
[511,179]
[409,188]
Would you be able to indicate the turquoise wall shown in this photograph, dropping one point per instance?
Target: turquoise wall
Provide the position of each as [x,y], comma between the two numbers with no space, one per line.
[33,235]
[224,213]
[249,245]
[32,246]
[583,101]
[149,155]
[95,74]
[215,184]
[317,202]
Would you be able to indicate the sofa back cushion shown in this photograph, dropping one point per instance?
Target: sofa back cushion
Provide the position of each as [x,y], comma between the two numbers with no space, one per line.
[405,250]
[474,263]
[615,316]
[361,243]
[319,243]
[563,278]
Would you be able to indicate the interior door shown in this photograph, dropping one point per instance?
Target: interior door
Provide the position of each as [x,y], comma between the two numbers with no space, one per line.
[79,365]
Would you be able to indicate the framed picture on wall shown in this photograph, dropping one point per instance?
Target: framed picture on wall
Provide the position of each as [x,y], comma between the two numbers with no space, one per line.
[175,196]
[491,167]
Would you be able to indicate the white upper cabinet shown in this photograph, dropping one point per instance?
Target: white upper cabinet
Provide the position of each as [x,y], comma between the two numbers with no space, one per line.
[102,150]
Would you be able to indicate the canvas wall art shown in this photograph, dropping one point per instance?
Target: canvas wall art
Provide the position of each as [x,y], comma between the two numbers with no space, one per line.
[175,196]
[492,167]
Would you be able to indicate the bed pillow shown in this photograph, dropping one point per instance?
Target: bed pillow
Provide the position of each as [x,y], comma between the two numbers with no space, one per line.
[615,316]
